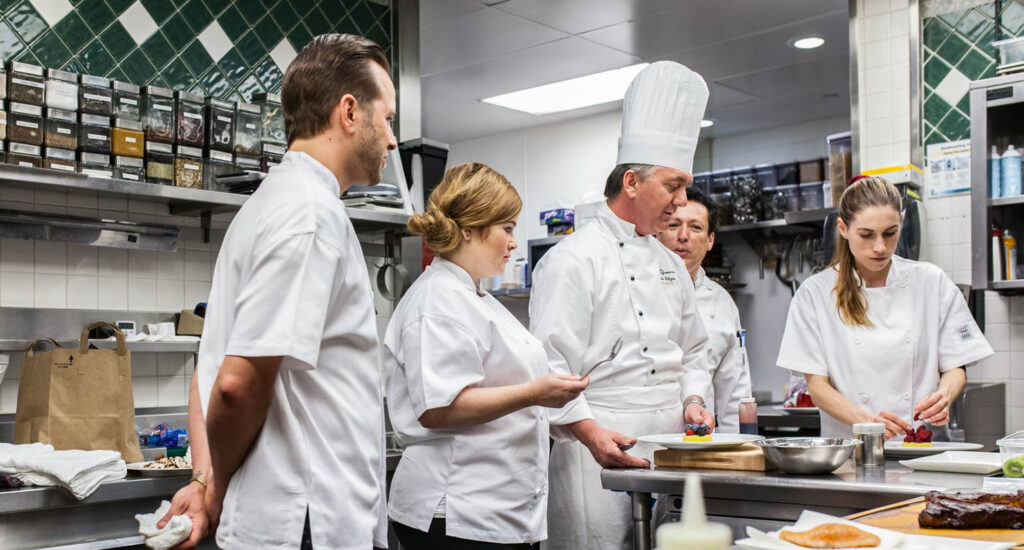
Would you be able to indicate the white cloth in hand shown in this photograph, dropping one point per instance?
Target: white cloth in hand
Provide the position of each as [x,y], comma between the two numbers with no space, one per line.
[177,529]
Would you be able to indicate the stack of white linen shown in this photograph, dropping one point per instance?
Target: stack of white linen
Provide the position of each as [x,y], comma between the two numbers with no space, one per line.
[80,472]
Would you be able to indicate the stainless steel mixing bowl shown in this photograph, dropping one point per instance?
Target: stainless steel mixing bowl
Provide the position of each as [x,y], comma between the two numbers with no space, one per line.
[807,455]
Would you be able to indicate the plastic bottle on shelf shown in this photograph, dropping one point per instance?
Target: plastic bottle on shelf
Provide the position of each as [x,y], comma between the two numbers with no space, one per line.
[1009,255]
[748,415]
[998,273]
[1011,172]
[995,187]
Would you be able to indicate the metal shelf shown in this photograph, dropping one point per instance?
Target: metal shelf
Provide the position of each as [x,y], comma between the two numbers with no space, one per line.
[1007,285]
[756,226]
[8,345]
[1006,201]
[802,220]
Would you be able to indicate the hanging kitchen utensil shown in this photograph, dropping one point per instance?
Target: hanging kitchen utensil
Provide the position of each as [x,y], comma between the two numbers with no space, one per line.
[399,274]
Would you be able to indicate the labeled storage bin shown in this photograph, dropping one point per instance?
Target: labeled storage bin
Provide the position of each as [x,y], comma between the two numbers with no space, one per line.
[272,156]
[61,129]
[746,198]
[190,120]
[272,126]
[127,101]
[22,154]
[60,159]
[786,173]
[158,114]
[188,167]
[220,124]
[3,122]
[811,170]
[216,163]
[159,163]
[25,124]
[792,196]
[95,96]
[720,181]
[129,168]
[702,181]
[773,203]
[245,163]
[61,90]
[26,84]
[840,163]
[94,134]
[723,203]
[811,196]
[765,174]
[127,138]
[247,129]
[95,165]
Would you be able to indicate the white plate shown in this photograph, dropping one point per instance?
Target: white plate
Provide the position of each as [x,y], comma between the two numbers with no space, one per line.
[895,448]
[718,441]
[963,462]
[140,467]
[800,410]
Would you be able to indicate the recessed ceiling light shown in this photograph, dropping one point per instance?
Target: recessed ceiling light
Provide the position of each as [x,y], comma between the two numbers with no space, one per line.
[566,95]
[705,123]
[808,42]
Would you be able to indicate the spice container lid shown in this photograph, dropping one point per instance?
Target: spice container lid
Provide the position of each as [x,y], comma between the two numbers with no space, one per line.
[222,103]
[248,107]
[95,120]
[247,161]
[25,149]
[192,98]
[129,162]
[159,92]
[26,109]
[158,147]
[214,154]
[94,158]
[62,154]
[62,75]
[266,97]
[869,428]
[61,114]
[747,400]
[95,81]
[186,151]
[125,87]
[26,68]
[128,124]
[274,149]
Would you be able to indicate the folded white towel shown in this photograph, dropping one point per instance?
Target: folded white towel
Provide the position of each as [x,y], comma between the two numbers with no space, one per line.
[80,472]
[177,529]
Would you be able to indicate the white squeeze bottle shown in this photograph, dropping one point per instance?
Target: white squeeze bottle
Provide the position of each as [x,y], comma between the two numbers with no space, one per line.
[995,187]
[1010,168]
[694,532]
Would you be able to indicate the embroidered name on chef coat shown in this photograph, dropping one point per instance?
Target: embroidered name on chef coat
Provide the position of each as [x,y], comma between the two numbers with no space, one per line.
[668,277]
[965,332]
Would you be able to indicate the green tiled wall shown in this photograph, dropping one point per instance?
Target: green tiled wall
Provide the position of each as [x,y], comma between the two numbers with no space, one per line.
[91,40]
[961,40]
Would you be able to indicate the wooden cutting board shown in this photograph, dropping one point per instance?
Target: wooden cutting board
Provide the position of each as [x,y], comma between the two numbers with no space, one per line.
[902,517]
[747,457]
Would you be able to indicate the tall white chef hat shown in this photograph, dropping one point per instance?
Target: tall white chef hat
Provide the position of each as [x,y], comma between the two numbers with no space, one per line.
[661,116]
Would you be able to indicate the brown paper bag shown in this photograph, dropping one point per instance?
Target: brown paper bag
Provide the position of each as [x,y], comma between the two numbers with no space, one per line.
[78,398]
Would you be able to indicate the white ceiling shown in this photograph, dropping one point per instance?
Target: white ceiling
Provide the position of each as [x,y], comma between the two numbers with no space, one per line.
[472,49]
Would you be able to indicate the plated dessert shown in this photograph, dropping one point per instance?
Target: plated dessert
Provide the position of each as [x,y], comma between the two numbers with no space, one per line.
[696,432]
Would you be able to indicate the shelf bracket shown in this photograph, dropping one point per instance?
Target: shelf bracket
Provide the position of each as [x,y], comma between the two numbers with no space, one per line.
[205,221]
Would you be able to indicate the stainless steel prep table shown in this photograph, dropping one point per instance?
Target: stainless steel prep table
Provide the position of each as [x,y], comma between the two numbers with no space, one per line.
[772,499]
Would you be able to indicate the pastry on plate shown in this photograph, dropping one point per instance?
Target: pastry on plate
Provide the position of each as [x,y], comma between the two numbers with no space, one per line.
[832,535]
[697,432]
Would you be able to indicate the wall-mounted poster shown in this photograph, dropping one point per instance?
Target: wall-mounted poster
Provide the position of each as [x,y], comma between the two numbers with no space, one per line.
[948,168]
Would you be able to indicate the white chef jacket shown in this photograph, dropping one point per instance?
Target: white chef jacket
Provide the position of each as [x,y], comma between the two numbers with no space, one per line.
[922,328]
[727,352]
[291,281]
[599,283]
[443,338]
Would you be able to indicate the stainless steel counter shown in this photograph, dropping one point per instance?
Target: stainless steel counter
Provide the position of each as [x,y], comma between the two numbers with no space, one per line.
[771,499]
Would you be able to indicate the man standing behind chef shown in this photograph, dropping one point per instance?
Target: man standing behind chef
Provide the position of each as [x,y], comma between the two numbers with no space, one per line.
[287,375]
[691,234]
[612,279]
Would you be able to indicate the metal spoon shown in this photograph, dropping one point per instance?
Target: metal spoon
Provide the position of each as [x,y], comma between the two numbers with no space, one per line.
[614,352]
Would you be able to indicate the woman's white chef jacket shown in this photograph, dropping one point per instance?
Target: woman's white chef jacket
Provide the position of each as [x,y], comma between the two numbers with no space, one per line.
[599,283]
[726,350]
[922,328]
[443,338]
[291,281]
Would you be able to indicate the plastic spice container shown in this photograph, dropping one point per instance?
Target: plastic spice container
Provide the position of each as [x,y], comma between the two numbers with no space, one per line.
[21,154]
[95,96]
[126,138]
[773,203]
[272,156]
[60,159]
[188,167]
[126,100]
[792,194]
[95,165]
[25,124]
[216,163]
[811,196]
[61,129]
[244,163]
[720,180]
[786,173]
[3,153]
[811,170]
[220,124]
[746,198]
[94,134]
[129,168]
[765,174]
[61,90]
[272,128]
[702,181]
[158,114]
[247,129]
[26,83]
[723,203]
[3,122]
[189,118]
[159,163]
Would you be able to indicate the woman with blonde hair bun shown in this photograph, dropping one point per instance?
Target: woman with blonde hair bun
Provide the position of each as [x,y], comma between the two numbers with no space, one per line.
[880,338]
[467,384]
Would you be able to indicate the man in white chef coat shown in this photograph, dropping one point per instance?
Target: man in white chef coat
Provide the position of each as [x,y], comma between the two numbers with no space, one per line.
[613,279]
[691,234]
[287,376]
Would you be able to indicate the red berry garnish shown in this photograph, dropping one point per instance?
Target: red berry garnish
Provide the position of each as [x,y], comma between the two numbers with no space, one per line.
[909,439]
[689,432]
[917,416]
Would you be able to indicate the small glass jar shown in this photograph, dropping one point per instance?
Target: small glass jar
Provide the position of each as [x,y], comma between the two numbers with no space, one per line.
[188,167]
[247,164]
[95,96]
[158,114]
[220,124]
[25,124]
[247,129]
[129,168]
[60,159]
[95,165]
[127,138]
[61,129]
[272,128]
[126,101]
[272,156]
[61,90]
[94,134]
[3,122]
[216,163]
[159,163]
[21,154]
[189,118]
[26,84]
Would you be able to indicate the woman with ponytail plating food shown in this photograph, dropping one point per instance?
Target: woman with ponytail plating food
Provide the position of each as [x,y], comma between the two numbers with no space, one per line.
[880,338]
